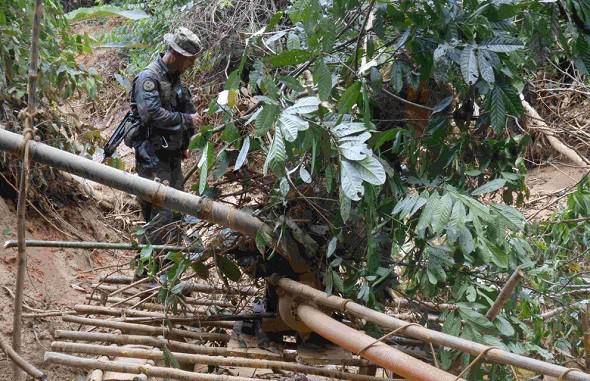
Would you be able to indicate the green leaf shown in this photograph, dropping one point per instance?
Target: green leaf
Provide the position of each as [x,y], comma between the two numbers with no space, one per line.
[354,151]
[485,68]
[469,65]
[442,105]
[304,175]
[266,119]
[200,269]
[426,215]
[346,129]
[230,133]
[331,247]
[497,109]
[243,154]
[322,78]
[351,181]
[304,106]
[291,83]
[169,359]
[345,206]
[289,58]
[293,41]
[442,213]
[397,76]
[349,98]
[277,152]
[290,125]
[504,326]
[105,10]
[228,268]
[512,217]
[503,44]
[371,170]
[489,187]
[474,317]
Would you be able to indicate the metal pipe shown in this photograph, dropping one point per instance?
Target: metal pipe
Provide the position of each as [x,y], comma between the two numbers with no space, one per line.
[498,356]
[92,245]
[380,353]
[151,191]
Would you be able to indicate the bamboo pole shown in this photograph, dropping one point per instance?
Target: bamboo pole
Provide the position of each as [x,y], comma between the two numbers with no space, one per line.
[505,293]
[494,355]
[21,206]
[559,310]
[155,193]
[366,346]
[187,358]
[117,279]
[134,295]
[92,245]
[161,343]
[148,370]
[190,348]
[148,329]
[22,363]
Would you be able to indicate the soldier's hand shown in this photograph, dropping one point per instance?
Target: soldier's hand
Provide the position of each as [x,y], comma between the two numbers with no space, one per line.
[196,118]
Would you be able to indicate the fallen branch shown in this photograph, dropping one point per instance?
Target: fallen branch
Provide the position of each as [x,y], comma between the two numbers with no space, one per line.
[505,293]
[148,370]
[148,329]
[559,310]
[22,363]
[540,125]
[187,358]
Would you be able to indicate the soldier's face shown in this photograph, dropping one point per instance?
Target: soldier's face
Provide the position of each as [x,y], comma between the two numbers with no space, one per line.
[185,63]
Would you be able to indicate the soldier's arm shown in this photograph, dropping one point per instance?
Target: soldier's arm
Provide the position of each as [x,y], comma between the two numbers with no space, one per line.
[150,109]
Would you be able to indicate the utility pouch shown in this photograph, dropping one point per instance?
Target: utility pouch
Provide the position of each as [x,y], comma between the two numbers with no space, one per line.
[145,154]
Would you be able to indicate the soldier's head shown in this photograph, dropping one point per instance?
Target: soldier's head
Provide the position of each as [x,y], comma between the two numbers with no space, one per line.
[183,47]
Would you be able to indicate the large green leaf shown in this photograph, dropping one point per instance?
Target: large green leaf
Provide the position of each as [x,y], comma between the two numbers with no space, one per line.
[489,187]
[469,65]
[304,106]
[277,152]
[442,213]
[512,217]
[349,98]
[266,118]
[289,58]
[105,11]
[290,125]
[243,153]
[371,170]
[503,44]
[497,109]
[485,67]
[351,181]
[322,79]
[228,268]
[354,151]
[346,129]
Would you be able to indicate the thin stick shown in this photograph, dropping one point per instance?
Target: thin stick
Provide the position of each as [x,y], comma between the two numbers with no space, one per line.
[505,293]
[586,328]
[22,191]
[187,358]
[148,370]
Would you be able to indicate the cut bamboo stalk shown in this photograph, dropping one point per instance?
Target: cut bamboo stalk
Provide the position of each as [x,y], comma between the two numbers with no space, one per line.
[186,358]
[505,293]
[117,279]
[136,294]
[148,370]
[101,310]
[147,306]
[403,302]
[559,310]
[92,245]
[23,186]
[97,374]
[148,329]
[161,343]
[494,355]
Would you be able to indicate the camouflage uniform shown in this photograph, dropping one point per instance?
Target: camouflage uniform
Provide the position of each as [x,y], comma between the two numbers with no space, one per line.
[163,104]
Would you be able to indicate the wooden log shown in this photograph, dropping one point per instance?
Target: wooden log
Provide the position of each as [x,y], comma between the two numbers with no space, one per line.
[148,370]
[186,358]
[505,294]
[161,343]
[116,279]
[147,329]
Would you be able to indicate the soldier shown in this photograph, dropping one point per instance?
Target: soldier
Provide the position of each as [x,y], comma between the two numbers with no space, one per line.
[168,118]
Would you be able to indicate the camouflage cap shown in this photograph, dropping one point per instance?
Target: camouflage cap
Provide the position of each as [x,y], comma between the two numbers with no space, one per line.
[183,41]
